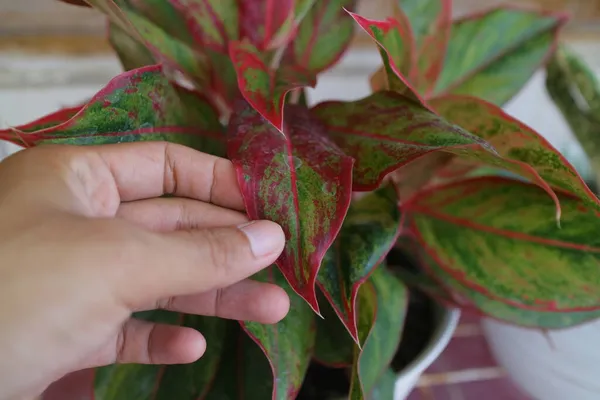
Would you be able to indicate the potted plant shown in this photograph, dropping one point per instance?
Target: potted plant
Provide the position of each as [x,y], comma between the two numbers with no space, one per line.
[559,364]
[228,78]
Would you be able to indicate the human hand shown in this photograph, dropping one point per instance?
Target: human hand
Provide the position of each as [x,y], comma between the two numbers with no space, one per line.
[85,241]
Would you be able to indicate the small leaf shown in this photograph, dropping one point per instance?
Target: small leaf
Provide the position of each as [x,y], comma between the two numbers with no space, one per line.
[517,42]
[382,306]
[388,33]
[166,16]
[14,134]
[212,23]
[431,21]
[322,37]
[263,88]
[131,52]
[386,131]
[298,179]
[495,236]
[575,90]
[288,344]
[515,141]
[369,231]
[139,105]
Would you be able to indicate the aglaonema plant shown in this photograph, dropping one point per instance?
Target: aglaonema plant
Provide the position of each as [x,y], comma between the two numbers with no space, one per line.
[228,77]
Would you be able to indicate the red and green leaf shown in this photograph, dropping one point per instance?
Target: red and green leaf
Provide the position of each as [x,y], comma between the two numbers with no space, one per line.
[166,16]
[288,29]
[58,117]
[515,44]
[264,88]
[395,35]
[496,236]
[471,299]
[288,345]
[159,382]
[212,23]
[139,105]
[514,140]
[369,231]
[386,32]
[386,131]
[322,37]
[382,305]
[431,22]
[299,179]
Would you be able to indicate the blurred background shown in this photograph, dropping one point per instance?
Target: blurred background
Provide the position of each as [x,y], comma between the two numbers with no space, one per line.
[54,55]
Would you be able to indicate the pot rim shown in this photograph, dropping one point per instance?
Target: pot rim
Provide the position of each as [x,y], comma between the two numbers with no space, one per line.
[447,321]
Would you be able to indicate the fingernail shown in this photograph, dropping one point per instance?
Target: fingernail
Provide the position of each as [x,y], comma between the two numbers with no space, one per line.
[265,237]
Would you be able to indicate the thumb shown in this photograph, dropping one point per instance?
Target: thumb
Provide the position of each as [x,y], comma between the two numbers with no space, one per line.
[187,262]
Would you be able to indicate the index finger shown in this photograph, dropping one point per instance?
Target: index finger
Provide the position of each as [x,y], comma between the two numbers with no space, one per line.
[150,169]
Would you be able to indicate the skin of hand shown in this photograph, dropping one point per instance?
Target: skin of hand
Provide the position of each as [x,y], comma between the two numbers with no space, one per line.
[86,240]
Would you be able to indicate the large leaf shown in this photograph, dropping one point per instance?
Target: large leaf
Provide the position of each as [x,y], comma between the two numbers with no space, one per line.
[158,382]
[514,140]
[386,131]
[369,231]
[472,299]
[383,302]
[288,344]
[299,179]
[575,90]
[264,88]
[385,387]
[492,55]
[430,21]
[322,37]
[139,105]
[388,33]
[495,235]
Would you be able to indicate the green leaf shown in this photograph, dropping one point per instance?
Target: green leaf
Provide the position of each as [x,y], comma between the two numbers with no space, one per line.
[369,231]
[495,236]
[385,387]
[514,140]
[265,89]
[382,305]
[139,105]
[131,52]
[431,21]
[387,33]
[297,178]
[288,344]
[322,37]
[164,47]
[334,347]
[243,372]
[492,55]
[167,16]
[386,131]
[575,90]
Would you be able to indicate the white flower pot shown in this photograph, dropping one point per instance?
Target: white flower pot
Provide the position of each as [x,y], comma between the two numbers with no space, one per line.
[548,365]
[407,378]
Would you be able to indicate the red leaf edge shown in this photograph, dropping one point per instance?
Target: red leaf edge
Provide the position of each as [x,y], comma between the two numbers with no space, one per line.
[362,23]
[412,204]
[501,113]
